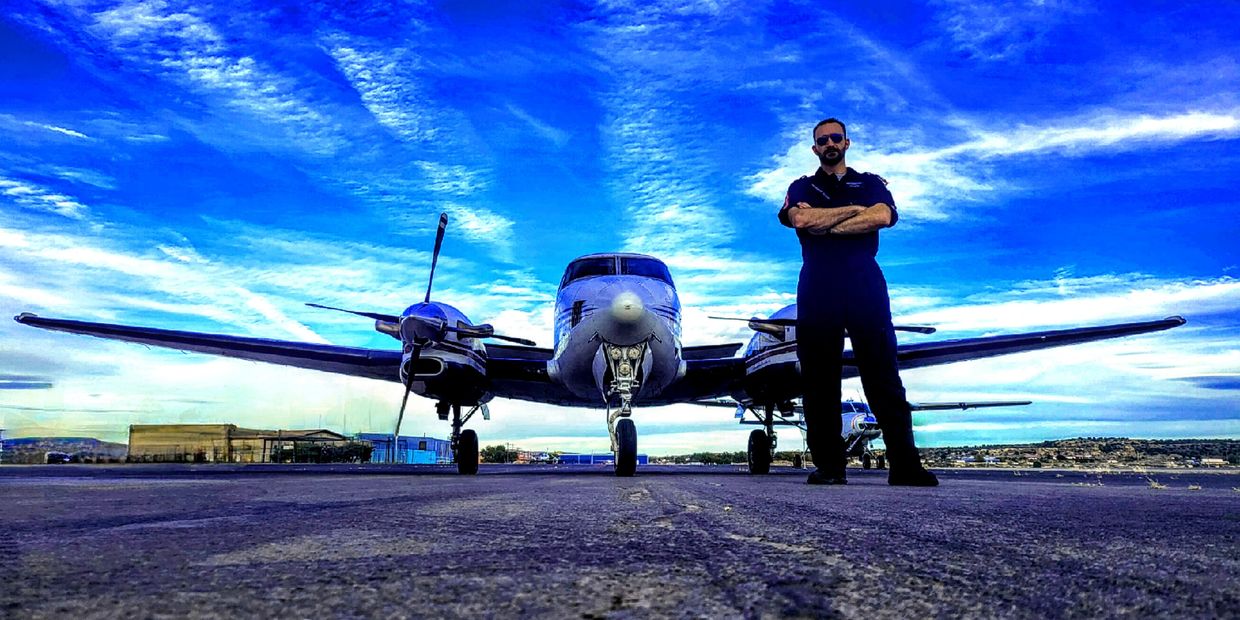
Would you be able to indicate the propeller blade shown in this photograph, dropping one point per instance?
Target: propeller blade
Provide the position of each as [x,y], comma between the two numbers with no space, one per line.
[400,417]
[528,343]
[443,225]
[486,331]
[370,315]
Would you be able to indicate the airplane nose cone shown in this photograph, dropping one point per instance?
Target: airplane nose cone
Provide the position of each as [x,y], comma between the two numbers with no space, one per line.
[627,308]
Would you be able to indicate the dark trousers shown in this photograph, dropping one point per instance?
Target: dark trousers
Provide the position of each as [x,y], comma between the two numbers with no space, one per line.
[850,297]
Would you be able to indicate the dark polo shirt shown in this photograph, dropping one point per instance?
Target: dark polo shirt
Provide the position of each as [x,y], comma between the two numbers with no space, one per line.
[824,190]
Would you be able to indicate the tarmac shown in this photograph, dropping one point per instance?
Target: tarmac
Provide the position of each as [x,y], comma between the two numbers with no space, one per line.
[282,541]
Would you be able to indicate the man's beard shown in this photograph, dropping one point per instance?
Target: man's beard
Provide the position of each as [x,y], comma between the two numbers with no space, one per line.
[830,162]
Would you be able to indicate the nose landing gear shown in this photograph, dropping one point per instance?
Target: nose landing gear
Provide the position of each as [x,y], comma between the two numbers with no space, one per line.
[624,363]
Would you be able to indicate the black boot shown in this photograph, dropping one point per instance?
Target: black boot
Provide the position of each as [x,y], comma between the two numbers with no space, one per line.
[912,477]
[906,469]
[822,476]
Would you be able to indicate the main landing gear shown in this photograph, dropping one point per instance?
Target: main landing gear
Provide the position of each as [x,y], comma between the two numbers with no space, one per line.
[762,444]
[464,442]
[869,459]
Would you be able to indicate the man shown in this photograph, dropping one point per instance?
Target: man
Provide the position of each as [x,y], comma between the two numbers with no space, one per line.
[837,214]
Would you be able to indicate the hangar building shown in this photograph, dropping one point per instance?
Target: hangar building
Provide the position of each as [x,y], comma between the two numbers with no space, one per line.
[409,450]
[223,443]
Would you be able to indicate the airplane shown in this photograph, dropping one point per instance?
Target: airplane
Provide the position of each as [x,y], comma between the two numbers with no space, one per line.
[617,333]
[858,427]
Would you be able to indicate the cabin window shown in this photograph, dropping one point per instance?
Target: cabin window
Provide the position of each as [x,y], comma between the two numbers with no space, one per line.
[646,267]
[589,268]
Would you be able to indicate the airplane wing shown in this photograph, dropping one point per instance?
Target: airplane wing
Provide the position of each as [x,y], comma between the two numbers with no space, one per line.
[948,351]
[521,373]
[355,361]
[968,405]
[514,371]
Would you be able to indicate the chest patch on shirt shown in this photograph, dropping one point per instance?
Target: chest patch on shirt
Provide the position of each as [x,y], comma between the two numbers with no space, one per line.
[854,184]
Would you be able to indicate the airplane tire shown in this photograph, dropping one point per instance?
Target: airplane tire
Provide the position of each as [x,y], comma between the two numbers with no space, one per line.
[467,453]
[759,452]
[866,462]
[626,448]
[882,462]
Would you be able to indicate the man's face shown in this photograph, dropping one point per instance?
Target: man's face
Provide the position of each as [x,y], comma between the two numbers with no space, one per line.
[830,144]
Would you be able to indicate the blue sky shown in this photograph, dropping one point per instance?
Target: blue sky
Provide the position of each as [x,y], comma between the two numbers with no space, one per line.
[214,166]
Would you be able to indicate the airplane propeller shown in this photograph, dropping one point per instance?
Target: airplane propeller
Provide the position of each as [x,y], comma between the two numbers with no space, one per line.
[414,338]
[757,324]
[423,325]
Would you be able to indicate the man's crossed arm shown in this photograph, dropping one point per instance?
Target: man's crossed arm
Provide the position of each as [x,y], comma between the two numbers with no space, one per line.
[850,220]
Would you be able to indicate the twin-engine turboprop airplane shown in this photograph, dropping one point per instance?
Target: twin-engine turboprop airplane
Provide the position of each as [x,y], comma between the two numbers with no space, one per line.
[858,427]
[617,344]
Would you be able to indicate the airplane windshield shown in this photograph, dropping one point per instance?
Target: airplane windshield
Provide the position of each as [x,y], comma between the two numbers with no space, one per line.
[647,267]
[590,267]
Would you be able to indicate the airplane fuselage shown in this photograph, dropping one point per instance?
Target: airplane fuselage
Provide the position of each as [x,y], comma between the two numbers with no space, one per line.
[617,329]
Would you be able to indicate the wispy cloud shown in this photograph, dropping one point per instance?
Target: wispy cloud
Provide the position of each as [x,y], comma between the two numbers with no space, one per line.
[60,130]
[927,183]
[1082,301]
[183,45]
[34,196]
[386,84]
[556,136]
[1006,30]
[657,147]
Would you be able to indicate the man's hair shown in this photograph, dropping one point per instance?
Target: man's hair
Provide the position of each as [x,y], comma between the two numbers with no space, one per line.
[827,122]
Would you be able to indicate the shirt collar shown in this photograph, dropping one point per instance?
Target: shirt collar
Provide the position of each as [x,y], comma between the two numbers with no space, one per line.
[828,176]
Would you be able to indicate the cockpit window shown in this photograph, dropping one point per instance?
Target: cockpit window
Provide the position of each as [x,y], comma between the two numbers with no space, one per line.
[588,268]
[646,267]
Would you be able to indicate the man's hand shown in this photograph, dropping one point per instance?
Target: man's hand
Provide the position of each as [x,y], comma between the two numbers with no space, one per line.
[820,221]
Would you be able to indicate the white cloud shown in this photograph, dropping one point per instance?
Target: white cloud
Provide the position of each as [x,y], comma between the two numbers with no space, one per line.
[930,184]
[187,48]
[61,130]
[1004,30]
[385,81]
[1082,301]
[39,198]
[558,137]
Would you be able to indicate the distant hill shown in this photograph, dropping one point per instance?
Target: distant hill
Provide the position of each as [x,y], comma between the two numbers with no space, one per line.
[1103,449]
[33,450]
[1084,451]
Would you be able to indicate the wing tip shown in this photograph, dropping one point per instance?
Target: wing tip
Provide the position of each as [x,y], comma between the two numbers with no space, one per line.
[1177,319]
[25,316]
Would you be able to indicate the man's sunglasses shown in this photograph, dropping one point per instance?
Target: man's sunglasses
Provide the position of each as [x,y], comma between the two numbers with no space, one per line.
[828,138]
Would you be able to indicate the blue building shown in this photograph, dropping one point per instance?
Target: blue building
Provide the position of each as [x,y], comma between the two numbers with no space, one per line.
[605,458]
[409,450]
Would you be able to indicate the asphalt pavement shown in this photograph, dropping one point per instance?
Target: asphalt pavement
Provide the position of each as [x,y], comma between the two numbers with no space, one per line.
[543,541]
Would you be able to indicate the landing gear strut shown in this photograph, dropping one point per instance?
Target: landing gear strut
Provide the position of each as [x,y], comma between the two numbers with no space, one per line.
[762,444]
